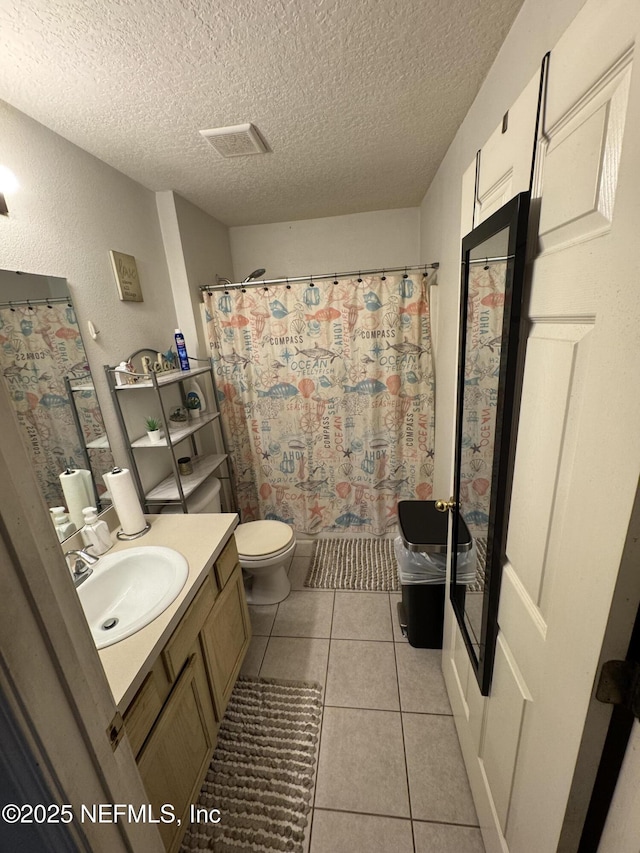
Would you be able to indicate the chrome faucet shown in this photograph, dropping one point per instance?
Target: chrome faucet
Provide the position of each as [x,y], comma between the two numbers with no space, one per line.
[80,564]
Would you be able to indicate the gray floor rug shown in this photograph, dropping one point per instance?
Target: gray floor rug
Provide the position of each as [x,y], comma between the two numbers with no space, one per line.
[481,561]
[261,774]
[360,564]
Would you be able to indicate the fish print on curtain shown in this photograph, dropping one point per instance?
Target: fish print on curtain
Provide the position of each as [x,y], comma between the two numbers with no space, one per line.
[327,394]
[39,346]
[485,308]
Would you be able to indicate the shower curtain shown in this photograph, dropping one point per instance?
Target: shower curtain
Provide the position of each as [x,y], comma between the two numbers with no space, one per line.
[39,346]
[482,369]
[327,395]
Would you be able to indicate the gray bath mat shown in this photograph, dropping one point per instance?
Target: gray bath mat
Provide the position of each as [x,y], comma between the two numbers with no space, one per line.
[363,564]
[261,774]
[481,561]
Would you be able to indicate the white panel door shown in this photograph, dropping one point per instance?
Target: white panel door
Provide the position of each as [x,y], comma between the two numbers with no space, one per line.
[578,454]
[505,159]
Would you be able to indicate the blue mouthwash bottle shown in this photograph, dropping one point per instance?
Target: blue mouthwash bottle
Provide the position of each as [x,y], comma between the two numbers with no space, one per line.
[182,350]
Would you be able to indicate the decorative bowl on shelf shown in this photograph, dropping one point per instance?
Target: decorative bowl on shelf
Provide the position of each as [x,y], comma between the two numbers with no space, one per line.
[178,417]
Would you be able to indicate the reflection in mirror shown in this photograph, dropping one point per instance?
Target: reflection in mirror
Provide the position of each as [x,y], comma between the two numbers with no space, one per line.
[44,367]
[493,266]
[485,309]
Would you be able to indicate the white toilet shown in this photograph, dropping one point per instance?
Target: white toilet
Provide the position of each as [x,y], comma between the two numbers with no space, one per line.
[264,548]
[206,498]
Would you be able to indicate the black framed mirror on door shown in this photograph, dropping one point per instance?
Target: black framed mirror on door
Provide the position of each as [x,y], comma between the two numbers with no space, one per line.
[492,280]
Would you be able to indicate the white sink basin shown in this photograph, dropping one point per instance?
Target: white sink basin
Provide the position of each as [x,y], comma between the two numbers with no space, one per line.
[132,587]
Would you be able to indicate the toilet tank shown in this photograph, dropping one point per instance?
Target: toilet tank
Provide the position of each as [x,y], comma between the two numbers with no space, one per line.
[206,498]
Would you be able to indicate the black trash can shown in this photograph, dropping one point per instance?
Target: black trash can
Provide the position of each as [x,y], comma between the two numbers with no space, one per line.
[421,614]
[424,529]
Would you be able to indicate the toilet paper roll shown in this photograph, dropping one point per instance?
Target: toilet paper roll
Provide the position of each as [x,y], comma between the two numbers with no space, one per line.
[125,500]
[77,487]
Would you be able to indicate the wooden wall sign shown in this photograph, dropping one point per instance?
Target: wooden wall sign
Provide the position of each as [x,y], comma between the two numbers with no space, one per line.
[126,273]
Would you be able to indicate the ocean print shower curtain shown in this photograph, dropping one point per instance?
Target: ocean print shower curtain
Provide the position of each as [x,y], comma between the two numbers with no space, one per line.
[327,394]
[485,306]
[39,346]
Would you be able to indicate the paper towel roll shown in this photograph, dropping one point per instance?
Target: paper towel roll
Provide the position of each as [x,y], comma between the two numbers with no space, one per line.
[77,487]
[125,500]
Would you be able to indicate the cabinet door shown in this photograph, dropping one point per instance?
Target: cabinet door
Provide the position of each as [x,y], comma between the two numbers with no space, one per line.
[225,638]
[176,756]
[143,712]
[226,562]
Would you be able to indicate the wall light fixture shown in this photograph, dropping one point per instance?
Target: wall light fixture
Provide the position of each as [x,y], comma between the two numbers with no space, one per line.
[8,184]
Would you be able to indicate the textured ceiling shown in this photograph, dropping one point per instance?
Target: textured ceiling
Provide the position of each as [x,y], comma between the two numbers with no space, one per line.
[357,99]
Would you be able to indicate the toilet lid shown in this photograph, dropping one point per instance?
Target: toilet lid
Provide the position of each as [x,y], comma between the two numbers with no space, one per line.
[257,538]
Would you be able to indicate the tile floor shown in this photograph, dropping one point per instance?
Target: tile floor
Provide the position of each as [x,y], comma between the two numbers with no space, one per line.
[390,774]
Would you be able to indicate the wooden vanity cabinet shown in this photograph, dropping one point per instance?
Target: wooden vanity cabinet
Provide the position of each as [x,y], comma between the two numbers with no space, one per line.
[226,635]
[175,758]
[172,722]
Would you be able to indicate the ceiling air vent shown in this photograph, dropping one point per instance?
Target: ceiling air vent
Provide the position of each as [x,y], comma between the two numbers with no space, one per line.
[236,141]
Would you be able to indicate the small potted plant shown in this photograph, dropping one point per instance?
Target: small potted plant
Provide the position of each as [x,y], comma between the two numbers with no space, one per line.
[153,430]
[178,418]
[193,404]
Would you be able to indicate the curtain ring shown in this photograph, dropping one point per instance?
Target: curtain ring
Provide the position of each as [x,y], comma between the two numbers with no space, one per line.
[486,264]
[383,276]
[359,277]
[288,285]
[406,274]
[311,284]
[29,306]
[11,308]
[335,278]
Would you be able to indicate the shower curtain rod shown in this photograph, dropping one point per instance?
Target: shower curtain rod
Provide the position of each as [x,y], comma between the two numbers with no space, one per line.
[311,278]
[28,302]
[489,260]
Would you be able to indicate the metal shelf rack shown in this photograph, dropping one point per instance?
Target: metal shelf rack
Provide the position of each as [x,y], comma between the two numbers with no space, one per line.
[175,488]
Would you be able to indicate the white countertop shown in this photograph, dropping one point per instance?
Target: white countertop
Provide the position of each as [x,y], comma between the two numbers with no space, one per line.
[200,538]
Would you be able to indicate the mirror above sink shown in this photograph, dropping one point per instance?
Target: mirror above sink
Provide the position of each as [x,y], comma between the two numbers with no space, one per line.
[44,366]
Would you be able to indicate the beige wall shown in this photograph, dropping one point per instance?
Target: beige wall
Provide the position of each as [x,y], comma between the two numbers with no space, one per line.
[536,29]
[381,238]
[68,212]
[197,249]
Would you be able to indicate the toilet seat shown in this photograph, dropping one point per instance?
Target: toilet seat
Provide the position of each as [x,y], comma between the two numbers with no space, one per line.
[256,540]
[264,548]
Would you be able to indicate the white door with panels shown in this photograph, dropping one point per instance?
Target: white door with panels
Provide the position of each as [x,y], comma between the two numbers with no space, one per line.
[570,585]
[504,164]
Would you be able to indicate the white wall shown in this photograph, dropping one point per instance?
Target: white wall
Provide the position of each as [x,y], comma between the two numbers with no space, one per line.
[69,211]
[382,238]
[197,249]
[536,29]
